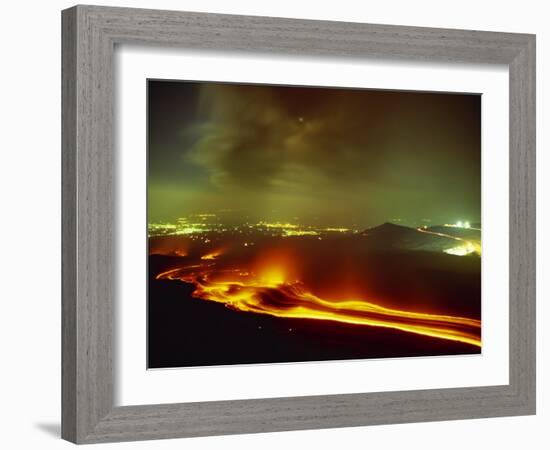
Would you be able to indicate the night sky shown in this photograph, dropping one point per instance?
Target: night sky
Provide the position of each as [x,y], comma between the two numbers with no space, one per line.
[348,157]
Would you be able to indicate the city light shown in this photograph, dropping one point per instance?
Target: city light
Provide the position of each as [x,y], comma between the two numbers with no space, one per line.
[462,250]
[460,224]
[210,223]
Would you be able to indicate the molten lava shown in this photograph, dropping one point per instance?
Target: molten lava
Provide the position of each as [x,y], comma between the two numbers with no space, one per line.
[268,291]
[212,255]
[465,248]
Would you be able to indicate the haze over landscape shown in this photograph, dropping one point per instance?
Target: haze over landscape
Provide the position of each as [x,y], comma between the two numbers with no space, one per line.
[330,157]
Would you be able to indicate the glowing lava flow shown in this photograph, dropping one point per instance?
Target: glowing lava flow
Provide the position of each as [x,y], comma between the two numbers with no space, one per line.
[212,255]
[465,248]
[245,291]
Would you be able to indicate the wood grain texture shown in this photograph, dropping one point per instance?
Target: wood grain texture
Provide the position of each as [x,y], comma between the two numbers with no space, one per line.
[89,36]
[68,226]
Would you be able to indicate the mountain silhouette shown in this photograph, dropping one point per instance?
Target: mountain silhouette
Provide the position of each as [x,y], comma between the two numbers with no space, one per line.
[398,237]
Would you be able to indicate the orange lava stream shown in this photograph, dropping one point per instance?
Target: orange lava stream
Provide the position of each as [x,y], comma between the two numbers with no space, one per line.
[244,291]
[474,245]
[435,233]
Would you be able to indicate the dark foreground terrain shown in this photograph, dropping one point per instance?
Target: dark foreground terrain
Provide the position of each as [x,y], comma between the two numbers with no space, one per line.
[191,332]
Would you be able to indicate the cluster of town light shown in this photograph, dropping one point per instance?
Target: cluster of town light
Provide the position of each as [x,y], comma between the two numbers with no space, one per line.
[459,224]
[462,250]
[203,223]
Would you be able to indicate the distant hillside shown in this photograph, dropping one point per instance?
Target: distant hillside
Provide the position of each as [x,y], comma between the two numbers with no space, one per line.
[398,237]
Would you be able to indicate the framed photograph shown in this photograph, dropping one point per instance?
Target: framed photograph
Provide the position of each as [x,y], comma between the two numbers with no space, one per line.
[302,205]
[278,224]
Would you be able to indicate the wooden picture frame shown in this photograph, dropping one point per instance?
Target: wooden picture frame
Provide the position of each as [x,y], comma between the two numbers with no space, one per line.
[90,34]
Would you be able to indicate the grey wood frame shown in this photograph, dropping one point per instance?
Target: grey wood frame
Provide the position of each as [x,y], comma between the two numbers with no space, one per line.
[89,37]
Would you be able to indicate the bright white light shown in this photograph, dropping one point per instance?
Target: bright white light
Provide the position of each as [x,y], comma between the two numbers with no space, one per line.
[460,224]
[462,250]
